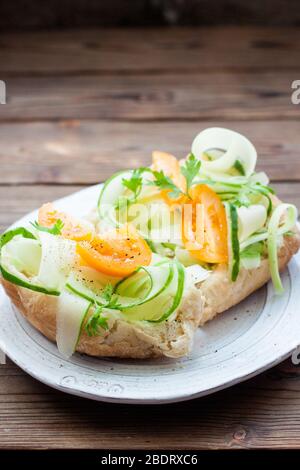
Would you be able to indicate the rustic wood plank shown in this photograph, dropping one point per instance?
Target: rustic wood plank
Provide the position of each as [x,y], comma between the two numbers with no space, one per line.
[86,152]
[230,95]
[261,413]
[16,201]
[155,50]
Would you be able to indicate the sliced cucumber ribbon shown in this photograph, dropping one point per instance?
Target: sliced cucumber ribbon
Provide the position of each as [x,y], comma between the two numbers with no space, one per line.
[144,285]
[89,284]
[233,241]
[276,228]
[10,272]
[110,194]
[71,313]
[251,256]
[236,148]
[160,308]
[151,293]
[250,220]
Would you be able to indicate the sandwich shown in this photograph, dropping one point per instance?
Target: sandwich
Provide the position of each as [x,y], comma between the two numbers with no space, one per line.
[166,249]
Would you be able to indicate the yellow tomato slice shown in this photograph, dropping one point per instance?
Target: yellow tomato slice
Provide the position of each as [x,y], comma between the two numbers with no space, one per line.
[205,238]
[162,161]
[73,228]
[117,253]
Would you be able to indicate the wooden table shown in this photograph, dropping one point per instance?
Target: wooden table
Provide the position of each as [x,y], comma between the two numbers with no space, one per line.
[82,104]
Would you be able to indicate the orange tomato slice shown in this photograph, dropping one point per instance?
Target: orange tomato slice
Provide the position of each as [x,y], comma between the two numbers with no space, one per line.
[205,229]
[117,253]
[162,161]
[73,228]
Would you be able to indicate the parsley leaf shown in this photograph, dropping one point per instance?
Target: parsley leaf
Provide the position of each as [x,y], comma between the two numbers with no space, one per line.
[134,183]
[163,181]
[54,230]
[107,293]
[190,169]
[96,321]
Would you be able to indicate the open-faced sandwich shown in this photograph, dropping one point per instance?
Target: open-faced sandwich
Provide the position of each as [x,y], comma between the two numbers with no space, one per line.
[168,247]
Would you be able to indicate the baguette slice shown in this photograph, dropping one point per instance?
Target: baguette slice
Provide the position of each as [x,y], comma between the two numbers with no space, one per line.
[172,338]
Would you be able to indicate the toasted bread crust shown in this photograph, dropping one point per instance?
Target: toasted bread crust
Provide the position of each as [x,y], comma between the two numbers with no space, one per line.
[140,340]
[171,338]
[219,293]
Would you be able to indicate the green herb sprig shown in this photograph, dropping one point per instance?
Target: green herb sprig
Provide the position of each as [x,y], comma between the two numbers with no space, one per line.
[97,321]
[56,229]
[189,170]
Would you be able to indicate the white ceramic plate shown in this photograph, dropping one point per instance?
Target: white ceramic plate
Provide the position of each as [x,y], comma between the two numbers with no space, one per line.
[249,338]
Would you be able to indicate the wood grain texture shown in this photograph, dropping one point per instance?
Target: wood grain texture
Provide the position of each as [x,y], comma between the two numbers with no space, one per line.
[212,95]
[153,50]
[260,413]
[87,152]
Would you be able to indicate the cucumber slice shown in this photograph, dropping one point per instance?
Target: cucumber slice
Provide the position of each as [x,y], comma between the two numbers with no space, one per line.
[250,220]
[111,191]
[89,284]
[233,240]
[10,271]
[24,254]
[282,220]
[162,306]
[57,261]
[71,313]
[144,285]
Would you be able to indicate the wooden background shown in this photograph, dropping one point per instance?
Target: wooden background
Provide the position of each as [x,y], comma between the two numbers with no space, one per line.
[84,103]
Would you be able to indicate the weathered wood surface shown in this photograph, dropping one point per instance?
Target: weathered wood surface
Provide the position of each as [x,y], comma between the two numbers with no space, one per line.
[261,413]
[153,50]
[82,105]
[87,152]
[211,95]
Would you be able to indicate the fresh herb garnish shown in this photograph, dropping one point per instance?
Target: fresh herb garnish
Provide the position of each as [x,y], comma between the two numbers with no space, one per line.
[163,181]
[190,170]
[54,230]
[107,293]
[97,320]
[134,183]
